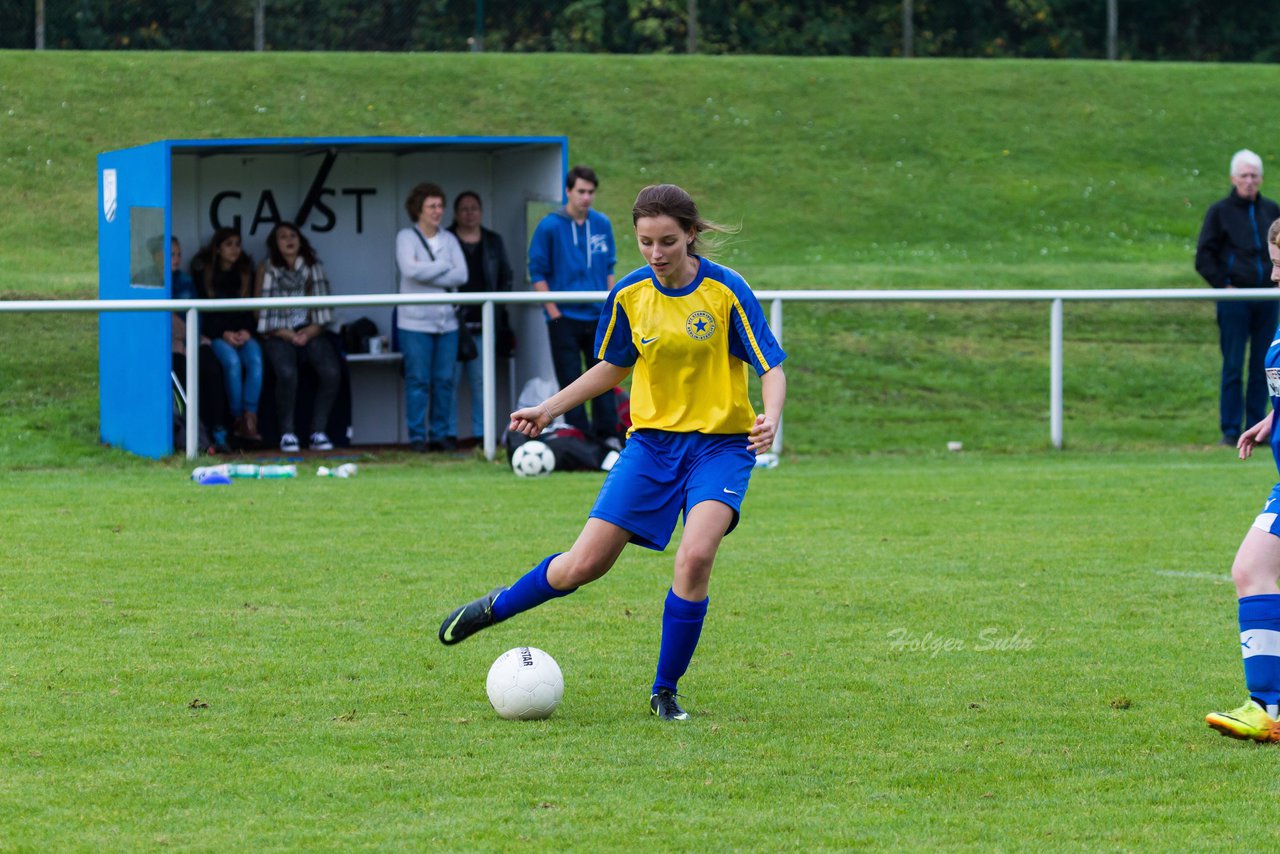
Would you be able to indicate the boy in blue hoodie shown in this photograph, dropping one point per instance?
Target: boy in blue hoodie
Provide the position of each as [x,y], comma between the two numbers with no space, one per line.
[573,250]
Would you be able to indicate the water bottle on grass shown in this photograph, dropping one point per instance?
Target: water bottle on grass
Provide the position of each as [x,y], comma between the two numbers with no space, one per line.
[277,471]
[245,470]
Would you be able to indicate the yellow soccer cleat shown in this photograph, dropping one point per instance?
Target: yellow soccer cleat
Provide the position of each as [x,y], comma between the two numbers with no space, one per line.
[1249,721]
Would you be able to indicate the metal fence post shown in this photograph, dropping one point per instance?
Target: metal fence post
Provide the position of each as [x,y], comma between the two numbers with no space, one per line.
[260,25]
[488,375]
[1055,373]
[193,383]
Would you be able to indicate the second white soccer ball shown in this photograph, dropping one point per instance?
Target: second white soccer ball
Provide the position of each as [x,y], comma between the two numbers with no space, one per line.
[533,459]
[525,684]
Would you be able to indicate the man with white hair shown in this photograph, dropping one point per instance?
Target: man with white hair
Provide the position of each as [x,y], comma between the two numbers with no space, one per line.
[1232,253]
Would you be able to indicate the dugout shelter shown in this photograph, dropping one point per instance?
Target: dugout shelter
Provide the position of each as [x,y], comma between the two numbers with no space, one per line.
[347,196]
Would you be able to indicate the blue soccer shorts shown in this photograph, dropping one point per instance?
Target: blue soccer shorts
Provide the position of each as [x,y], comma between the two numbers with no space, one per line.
[1266,520]
[659,474]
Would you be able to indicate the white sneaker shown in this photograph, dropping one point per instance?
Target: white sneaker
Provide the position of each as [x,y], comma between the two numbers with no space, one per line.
[320,442]
[289,443]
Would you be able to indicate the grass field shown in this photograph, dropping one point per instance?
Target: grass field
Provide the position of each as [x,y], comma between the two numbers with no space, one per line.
[870,172]
[957,651]
[1005,648]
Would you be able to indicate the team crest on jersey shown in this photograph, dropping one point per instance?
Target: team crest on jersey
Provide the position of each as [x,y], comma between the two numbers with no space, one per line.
[700,325]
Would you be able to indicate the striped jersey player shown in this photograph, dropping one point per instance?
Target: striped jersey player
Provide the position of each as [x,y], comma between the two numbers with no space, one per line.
[1255,572]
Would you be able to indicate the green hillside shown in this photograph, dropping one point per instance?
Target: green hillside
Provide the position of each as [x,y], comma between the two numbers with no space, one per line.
[842,173]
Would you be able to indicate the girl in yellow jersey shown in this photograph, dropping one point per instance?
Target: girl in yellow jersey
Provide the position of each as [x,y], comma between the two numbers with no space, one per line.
[689,329]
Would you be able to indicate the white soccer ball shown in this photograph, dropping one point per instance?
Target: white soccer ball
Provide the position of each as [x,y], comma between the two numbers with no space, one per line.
[524,684]
[533,459]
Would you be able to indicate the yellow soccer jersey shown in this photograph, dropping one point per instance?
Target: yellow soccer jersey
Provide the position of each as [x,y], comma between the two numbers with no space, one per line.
[690,349]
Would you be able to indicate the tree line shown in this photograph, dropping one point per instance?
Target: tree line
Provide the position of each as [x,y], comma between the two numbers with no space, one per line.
[1195,30]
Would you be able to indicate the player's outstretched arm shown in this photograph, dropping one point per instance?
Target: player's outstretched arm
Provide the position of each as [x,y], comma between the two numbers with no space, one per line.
[1258,434]
[601,377]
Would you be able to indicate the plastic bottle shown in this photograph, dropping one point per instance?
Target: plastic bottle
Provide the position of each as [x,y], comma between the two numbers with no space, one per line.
[277,471]
[344,470]
[251,470]
[226,470]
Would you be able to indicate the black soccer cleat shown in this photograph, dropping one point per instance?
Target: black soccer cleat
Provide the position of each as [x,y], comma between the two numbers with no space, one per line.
[464,622]
[664,705]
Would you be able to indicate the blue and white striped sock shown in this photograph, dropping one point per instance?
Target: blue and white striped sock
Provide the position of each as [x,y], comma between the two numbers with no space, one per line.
[1260,646]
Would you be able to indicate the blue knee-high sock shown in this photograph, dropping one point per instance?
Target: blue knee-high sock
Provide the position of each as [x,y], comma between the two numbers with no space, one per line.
[529,591]
[1260,646]
[681,627]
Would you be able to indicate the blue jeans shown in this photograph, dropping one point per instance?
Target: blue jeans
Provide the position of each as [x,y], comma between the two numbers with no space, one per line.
[474,373]
[1242,324]
[429,358]
[572,354]
[242,373]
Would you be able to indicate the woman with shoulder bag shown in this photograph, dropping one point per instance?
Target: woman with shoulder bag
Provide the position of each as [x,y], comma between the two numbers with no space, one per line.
[430,262]
[487,270]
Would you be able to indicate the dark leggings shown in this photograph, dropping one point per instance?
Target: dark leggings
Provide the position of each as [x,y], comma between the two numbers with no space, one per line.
[572,346]
[213,394]
[286,360]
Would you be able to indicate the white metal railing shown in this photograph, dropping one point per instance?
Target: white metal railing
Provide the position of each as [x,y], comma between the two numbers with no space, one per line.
[1055,298]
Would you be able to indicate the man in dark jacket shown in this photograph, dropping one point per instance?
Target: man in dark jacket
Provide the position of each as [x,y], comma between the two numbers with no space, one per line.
[1232,253]
[488,270]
